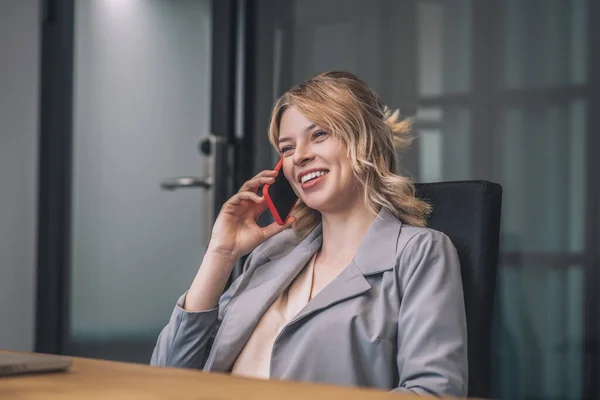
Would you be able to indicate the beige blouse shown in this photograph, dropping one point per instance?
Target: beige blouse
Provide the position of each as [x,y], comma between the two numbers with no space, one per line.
[255,359]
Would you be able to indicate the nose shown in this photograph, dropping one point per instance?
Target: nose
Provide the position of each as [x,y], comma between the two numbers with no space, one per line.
[302,155]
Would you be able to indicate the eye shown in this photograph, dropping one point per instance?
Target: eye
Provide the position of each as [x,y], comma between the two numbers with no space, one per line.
[285,149]
[319,135]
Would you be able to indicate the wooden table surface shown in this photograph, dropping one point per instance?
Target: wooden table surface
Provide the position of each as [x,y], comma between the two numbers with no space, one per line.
[107,380]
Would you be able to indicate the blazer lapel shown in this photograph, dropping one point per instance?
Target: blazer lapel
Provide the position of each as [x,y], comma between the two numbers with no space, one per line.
[246,308]
[349,283]
[376,253]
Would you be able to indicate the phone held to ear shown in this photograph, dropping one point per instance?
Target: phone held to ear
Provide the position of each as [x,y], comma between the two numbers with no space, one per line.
[280,196]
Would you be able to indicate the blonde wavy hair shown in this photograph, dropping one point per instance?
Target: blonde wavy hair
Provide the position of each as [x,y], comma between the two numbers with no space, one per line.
[346,107]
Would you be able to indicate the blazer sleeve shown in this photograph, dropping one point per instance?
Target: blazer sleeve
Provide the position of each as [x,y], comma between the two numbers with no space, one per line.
[186,340]
[432,328]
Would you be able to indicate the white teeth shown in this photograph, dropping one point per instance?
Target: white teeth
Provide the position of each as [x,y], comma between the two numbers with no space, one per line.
[312,175]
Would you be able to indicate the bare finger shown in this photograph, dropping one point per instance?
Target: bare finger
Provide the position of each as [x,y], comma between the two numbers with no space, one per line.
[275,228]
[241,196]
[260,209]
[253,184]
[265,173]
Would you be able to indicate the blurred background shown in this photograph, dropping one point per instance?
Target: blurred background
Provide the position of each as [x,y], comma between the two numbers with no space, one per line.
[124,124]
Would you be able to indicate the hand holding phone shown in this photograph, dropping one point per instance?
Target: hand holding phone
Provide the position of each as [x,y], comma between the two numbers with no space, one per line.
[280,196]
[235,231]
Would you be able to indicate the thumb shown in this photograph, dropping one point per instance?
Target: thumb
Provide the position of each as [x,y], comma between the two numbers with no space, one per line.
[274,228]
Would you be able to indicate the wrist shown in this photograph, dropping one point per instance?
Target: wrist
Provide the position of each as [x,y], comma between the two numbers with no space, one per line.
[216,256]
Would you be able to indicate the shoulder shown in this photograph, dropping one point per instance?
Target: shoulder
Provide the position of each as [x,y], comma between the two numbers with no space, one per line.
[412,238]
[389,232]
[389,243]
[424,252]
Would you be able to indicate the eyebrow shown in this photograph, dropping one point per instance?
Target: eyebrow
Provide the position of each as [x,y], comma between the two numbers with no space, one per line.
[307,129]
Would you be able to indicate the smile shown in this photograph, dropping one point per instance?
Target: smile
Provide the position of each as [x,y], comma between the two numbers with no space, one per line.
[312,175]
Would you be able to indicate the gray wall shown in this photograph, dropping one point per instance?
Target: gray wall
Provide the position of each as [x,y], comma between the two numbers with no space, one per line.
[19,83]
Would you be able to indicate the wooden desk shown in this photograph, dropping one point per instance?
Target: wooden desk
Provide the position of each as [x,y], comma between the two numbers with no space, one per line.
[106,380]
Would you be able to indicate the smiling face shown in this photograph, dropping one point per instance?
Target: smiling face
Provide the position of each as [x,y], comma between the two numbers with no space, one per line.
[316,164]
[336,128]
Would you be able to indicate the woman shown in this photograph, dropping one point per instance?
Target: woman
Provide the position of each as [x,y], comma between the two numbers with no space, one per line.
[358,292]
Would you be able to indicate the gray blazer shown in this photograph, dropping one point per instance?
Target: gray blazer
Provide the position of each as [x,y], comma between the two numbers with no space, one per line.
[393,319]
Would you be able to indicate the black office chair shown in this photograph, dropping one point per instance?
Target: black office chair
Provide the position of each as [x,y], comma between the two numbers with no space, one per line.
[469,213]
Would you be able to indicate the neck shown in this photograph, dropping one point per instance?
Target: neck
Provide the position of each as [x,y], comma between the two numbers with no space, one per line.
[343,231]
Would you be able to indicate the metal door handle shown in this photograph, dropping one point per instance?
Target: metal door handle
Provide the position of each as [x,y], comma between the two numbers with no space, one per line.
[182,182]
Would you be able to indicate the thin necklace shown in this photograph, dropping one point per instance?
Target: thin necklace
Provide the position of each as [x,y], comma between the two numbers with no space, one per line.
[312,278]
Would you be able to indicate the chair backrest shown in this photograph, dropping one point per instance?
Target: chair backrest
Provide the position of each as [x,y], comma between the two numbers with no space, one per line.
[469,213]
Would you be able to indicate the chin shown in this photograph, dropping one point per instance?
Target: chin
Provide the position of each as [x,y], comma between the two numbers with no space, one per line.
[322,205]
[316,203]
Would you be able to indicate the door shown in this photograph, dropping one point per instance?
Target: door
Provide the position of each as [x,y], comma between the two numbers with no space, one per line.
[145,128]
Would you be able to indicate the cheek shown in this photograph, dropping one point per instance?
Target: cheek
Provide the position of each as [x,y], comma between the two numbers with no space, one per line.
[344,162]
[338,153]
[287,170]
[348,176]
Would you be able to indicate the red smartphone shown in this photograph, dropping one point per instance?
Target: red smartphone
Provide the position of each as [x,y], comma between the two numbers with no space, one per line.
[280,196]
